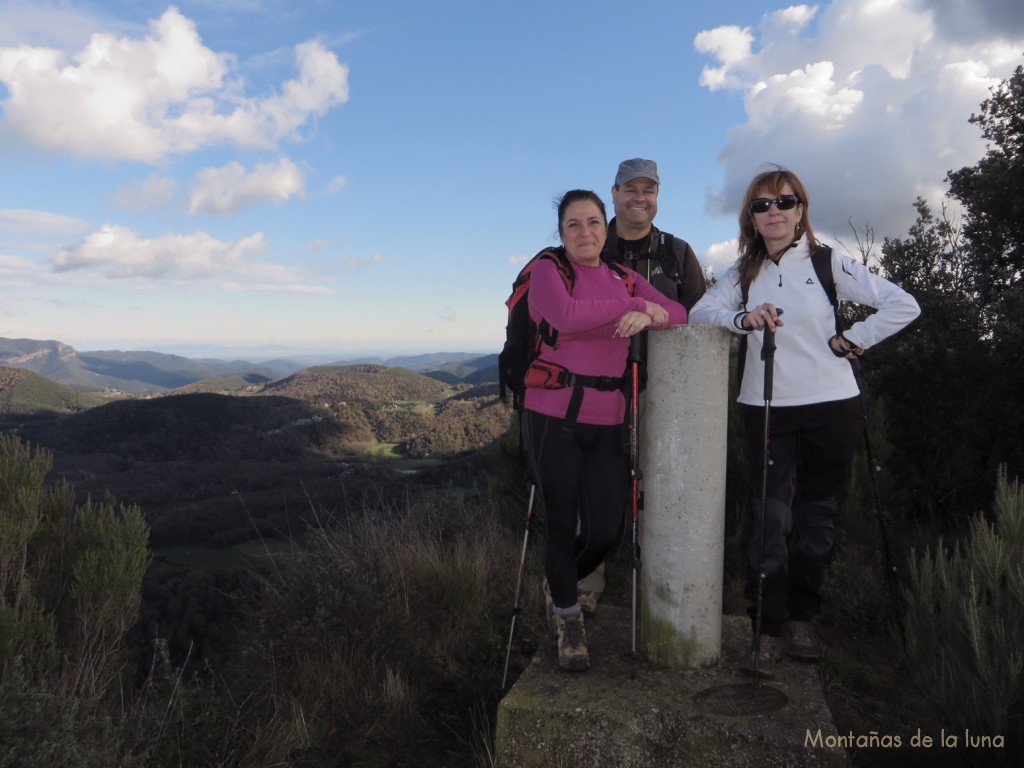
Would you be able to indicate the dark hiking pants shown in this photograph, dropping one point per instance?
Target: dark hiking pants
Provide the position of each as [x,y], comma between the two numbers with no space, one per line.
[583,483]
[810,450]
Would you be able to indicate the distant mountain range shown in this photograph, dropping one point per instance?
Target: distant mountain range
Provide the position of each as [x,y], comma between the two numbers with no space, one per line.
[142,371]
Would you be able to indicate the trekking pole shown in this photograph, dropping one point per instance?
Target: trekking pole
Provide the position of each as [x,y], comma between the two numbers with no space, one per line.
[516,606]
[635,473]
[890,568]
[768,355]
[871,469]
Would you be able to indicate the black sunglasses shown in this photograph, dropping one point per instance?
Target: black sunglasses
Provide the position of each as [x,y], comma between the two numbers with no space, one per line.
[782,202]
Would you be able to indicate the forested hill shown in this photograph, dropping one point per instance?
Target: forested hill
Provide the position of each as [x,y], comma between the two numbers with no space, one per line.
[319,411]
[125,371]
[201,426]
[189,459]
[23,392]
[143,371]
[363,383]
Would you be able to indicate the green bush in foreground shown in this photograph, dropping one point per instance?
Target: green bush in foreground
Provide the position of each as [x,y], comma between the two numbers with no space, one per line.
[70,585]
[964,623]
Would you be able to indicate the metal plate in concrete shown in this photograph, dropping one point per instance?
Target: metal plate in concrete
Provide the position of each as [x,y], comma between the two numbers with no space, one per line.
[740,699]
[630,713]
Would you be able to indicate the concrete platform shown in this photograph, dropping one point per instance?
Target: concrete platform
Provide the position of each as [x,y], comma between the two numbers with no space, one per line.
[624,712]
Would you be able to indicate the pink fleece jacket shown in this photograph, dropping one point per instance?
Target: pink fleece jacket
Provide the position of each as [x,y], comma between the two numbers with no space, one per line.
[585,320]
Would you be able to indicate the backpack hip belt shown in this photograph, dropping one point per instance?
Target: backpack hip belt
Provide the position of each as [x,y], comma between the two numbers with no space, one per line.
[544,375]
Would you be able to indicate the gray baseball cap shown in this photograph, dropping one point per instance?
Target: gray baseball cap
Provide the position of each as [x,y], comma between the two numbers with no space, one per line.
[637,168]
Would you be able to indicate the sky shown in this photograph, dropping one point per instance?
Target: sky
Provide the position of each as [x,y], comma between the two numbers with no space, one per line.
[368,178]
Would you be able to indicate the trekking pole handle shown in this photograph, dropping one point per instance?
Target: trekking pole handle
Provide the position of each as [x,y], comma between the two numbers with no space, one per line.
[637,348]
[768,355]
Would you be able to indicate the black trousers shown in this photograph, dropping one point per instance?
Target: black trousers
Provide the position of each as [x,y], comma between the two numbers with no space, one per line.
[810,451]
[583,482]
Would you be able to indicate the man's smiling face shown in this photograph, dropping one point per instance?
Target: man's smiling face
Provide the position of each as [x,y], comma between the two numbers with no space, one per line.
[636,205]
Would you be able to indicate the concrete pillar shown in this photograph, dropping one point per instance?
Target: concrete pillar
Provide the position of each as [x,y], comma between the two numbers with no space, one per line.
[682,525]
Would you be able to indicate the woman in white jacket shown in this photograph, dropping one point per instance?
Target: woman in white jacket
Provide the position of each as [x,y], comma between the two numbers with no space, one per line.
[817,414]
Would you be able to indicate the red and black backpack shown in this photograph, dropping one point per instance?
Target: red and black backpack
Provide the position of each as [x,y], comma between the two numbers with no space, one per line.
[518,363]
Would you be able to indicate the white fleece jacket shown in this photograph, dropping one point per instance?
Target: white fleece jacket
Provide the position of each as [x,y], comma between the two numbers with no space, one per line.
[805,369]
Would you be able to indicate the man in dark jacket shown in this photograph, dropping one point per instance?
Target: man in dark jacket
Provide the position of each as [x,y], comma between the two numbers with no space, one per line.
[667,262]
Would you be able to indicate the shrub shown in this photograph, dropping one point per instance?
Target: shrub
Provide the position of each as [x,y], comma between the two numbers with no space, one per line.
[70,585]
[964,624]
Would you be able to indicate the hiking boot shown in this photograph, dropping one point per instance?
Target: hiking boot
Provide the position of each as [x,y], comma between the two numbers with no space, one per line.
[588,602]
[763,660]
[589,590]
[549,608]
[803,642]
[572,643]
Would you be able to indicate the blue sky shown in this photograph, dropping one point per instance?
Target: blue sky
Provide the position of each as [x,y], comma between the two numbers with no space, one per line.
[362,178]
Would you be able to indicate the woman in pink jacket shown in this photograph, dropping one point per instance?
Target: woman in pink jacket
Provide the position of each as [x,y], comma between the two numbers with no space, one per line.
[574,434]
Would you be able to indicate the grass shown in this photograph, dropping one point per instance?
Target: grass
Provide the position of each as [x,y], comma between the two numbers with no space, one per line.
[386,451]
[247,554]
[381,642]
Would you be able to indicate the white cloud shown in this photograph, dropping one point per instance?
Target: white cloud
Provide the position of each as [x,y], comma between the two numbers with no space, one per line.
[146,99]
[288,288]
[320,244]
[118,253]
[15,266]
[810,93]
[731,46]
[337,184]
[869,105]
[720,256]
[448,315]
[226,189]
[144,195]
[796,17]
[973,20]
[372,261]
[29,223]
[38,22]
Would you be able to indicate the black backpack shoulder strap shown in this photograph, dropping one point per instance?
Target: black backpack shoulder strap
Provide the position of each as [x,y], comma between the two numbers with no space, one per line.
[821,260]
[744,291]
